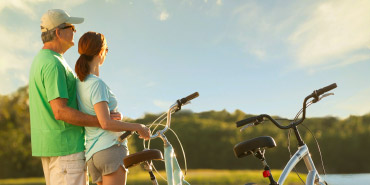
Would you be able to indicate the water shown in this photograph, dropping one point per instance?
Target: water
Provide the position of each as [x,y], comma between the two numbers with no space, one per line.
[348,179]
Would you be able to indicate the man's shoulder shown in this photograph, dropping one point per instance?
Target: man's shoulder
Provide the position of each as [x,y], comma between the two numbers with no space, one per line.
[47,58]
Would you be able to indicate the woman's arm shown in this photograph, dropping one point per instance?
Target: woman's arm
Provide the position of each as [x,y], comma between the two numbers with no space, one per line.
[106,123]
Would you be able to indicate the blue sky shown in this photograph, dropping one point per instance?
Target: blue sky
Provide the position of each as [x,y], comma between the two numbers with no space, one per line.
[256,56]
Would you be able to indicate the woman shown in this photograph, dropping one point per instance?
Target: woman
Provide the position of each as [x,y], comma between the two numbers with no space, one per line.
[104,154]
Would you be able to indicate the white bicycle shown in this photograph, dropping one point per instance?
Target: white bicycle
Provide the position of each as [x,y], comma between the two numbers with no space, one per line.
[173,170]
[256,146]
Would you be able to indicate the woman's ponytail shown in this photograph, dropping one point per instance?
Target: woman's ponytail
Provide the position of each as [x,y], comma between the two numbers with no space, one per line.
[82,66]
[89,45]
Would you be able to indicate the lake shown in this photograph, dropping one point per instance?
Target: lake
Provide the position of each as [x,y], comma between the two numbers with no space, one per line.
[348,179]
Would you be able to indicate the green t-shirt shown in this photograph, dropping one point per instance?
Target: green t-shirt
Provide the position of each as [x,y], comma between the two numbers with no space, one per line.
[51,78]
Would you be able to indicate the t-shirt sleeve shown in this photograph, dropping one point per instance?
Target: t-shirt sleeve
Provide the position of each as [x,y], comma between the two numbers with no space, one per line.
[99,92]
[55,82]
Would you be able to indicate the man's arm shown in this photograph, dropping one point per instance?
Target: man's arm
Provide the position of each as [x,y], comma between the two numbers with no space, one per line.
[63,112]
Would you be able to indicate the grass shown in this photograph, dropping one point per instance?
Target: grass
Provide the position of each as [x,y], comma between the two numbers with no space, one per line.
[194,177]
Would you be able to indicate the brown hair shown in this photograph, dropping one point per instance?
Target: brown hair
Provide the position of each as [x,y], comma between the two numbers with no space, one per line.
[89,45]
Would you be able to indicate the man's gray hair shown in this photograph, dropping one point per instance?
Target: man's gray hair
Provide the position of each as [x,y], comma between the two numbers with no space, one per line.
[48,35]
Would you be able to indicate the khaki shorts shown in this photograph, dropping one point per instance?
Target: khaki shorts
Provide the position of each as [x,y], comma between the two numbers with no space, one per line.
[65,170]
[106,162]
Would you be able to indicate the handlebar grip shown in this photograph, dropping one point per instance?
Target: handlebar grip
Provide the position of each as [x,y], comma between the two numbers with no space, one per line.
[188,98]
[249,120]
[326,89]
[125,135]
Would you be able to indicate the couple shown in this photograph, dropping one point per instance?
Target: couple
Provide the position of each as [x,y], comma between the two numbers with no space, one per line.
[65,109]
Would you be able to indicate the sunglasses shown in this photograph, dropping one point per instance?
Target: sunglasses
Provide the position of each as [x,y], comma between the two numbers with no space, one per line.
[71,26]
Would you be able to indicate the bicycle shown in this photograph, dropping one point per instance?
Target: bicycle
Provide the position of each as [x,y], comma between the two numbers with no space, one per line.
[257,146]
[172,167]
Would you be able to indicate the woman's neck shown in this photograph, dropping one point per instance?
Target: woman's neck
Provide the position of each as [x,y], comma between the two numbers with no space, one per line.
[94,66]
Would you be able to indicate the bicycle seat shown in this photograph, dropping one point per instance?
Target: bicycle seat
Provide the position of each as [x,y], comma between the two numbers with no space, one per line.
[245,148]
[145,155]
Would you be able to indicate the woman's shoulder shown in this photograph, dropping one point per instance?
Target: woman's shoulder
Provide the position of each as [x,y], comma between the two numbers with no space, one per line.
[95,82]
[92,79]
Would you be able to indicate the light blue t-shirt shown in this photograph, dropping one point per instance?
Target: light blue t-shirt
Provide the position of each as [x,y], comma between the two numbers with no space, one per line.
[89,92]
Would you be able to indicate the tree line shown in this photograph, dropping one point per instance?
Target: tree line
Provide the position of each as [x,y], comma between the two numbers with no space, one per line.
[208,139]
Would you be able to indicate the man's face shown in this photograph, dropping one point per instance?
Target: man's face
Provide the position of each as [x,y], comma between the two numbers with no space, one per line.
[66,34]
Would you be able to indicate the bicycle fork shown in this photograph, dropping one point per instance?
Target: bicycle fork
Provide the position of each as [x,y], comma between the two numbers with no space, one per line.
[313,176]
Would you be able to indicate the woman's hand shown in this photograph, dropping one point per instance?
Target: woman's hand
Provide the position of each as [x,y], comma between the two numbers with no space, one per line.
[143,131]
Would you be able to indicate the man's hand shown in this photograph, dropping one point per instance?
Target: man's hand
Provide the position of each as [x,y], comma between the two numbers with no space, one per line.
[116,116]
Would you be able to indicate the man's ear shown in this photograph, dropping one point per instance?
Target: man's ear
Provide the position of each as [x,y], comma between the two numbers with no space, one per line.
[57,33]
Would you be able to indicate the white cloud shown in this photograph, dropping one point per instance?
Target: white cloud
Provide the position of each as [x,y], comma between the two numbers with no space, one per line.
[22,6]
[219,2]
[258,29]
[163,16]
[328,34]
[358,104]
[30,7]
[15,46]
[19,44]
[151,84]
[341,63]
[17,49]
[336,29]
[162,104]
[260,53]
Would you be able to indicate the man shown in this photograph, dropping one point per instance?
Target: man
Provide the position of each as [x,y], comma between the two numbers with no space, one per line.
[57,127]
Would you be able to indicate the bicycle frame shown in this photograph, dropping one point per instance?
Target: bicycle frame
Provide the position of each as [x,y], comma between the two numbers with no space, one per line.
[173,170]
[302,153]
[313,178]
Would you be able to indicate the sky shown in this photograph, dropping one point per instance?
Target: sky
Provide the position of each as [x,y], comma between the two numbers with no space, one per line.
[255,56]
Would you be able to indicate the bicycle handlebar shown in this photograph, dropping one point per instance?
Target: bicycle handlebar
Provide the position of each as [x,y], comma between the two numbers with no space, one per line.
[183,101]
[175,107]
[258,119]
[125,135]
[254,119]
[325,89]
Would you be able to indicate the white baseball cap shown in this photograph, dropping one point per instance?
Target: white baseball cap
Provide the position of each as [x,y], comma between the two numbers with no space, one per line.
[55,17]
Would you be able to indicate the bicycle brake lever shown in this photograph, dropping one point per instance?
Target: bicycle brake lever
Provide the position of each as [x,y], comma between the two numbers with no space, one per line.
[325,95]
[246,126]
[321,97]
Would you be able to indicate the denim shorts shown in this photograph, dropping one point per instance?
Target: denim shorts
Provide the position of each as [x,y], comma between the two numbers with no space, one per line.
[106,162]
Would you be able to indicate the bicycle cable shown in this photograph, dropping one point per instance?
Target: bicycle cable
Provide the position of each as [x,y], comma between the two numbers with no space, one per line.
[182,148]
[289,133]
[154,122]
[317,143]
[318,147]
[290,154]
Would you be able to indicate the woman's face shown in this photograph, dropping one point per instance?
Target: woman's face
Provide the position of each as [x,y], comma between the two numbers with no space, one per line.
[103,54]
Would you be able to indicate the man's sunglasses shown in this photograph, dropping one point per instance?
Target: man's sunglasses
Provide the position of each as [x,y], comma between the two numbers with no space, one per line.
[70,26]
